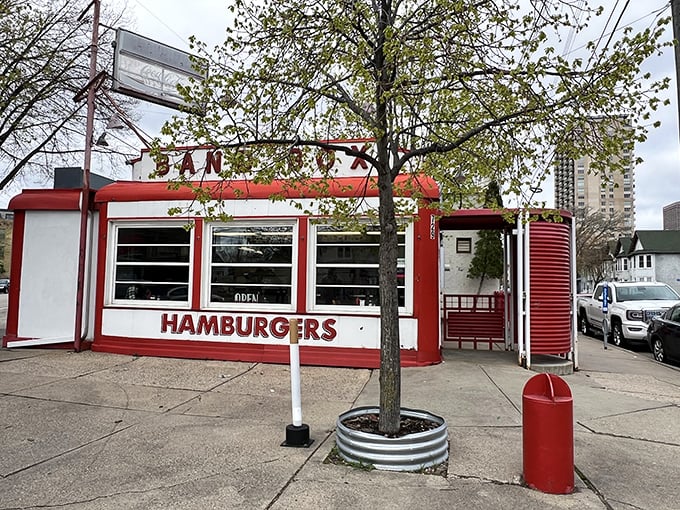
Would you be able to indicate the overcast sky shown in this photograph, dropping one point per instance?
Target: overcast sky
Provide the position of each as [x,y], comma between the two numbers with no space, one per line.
[657,179]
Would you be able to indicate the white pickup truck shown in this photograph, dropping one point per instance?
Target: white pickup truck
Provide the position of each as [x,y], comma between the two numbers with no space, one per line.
[631,306]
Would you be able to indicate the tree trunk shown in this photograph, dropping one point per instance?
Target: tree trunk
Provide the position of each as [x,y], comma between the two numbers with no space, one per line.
[481,283]
[390,358]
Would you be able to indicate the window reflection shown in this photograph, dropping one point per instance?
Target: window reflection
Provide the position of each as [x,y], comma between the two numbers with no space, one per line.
[252,263]
[347,266]
[152,263]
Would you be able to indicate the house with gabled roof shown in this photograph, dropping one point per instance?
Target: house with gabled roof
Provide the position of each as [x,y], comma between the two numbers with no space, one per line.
[621,261]
[652,255]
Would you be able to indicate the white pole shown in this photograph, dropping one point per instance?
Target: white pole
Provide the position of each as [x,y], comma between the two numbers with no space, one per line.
[295,373]
[519,265]
[574,308]
[506,295]
[527,289]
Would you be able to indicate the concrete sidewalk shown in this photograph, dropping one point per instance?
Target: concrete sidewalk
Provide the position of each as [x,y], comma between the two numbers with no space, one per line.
[91,431]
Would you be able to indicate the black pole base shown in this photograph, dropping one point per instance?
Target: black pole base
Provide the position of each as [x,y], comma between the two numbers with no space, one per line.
[297,437]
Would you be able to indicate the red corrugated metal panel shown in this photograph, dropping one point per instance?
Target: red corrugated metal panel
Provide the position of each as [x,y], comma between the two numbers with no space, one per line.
[474,319]
[550,287]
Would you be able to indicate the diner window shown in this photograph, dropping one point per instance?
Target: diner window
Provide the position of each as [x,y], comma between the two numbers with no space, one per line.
[346,272]
[151,263]
[251,263]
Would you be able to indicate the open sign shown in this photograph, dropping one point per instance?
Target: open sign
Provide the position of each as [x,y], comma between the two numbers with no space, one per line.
[242,297]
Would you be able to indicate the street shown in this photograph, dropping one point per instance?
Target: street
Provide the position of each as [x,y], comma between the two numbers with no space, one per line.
[637,349]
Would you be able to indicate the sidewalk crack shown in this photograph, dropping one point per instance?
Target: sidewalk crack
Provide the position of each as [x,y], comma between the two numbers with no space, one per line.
[593,488]
[66,452]
[621,436]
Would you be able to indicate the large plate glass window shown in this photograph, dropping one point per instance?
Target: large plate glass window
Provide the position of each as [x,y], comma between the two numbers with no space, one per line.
[252,264]
[346,272]
[152,263]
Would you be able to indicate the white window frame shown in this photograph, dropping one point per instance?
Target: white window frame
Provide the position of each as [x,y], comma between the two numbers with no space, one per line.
[244,305]
[110,285]
[407,309]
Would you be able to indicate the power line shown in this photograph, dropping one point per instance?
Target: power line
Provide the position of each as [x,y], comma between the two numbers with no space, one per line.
[653,13]
[170,29]
[604,29]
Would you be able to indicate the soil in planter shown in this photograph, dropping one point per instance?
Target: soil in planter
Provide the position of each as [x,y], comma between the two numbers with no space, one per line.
[407,425]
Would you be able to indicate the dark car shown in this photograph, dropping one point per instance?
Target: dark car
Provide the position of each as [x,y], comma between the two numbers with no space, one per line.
[663,335]
[4,285]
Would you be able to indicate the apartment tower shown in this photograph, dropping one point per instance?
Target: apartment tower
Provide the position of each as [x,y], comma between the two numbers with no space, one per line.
[579,189]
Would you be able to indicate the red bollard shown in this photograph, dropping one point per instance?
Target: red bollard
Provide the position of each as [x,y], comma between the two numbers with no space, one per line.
[548,434]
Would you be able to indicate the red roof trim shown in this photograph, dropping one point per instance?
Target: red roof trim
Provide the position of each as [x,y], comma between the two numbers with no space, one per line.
[476,219]
[346,187]
[46,200]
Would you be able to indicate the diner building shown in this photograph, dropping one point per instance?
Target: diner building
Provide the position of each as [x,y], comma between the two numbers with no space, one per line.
[181,285]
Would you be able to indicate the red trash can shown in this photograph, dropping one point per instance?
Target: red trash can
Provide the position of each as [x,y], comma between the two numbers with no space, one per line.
[548,434]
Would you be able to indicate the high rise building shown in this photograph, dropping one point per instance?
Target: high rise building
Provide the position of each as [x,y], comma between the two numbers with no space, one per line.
[671,216]
[579,190]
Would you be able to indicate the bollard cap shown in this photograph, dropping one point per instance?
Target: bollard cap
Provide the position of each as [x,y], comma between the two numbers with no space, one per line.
[547,387]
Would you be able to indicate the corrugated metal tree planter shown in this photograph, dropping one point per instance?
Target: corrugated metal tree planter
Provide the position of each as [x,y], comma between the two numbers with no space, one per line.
[410,452]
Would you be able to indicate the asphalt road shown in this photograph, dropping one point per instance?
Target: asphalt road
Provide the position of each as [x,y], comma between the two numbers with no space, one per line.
[639,349]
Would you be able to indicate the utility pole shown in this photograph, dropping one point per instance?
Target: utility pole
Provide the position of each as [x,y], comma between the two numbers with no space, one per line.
[675,12]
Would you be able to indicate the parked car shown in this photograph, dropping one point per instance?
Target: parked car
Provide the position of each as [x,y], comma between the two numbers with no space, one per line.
[4,285]
[631,306]
[663,335]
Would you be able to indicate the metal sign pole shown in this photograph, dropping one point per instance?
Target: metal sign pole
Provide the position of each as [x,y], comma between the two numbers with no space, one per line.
[605,311]
[85,193]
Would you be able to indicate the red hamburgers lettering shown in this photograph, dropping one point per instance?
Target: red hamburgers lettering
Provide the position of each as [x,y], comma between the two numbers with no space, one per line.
[244,326]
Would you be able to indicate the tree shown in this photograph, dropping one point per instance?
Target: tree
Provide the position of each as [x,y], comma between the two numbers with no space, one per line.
[487,260]
[595,231]
[447,88]
[44,62]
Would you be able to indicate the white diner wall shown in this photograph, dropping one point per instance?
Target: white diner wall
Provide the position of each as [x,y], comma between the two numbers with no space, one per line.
[49,272]
[456,266]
